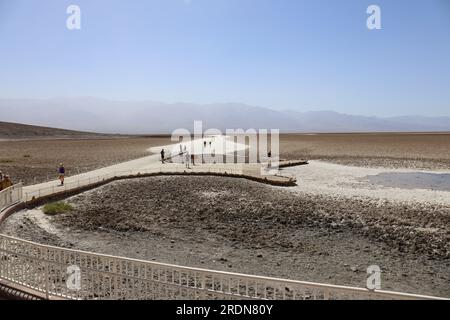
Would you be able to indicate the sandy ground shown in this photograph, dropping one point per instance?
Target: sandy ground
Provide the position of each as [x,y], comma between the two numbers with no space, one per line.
[242,226]
[337,180]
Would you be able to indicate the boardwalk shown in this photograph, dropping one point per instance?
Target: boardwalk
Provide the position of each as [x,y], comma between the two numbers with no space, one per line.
[151,165]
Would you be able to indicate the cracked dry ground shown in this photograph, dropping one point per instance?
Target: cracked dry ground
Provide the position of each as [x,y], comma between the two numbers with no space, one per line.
[242,226]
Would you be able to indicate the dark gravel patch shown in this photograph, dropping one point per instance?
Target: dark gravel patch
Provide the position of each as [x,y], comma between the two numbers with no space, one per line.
[242,226]
[256,215]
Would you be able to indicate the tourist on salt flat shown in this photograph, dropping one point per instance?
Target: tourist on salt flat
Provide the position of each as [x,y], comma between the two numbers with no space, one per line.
[62,173]
[162,155]
[187,158]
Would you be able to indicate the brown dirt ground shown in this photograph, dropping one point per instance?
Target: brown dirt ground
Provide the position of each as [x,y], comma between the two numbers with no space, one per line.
[245,227]
[33,161]
[242,226]
[388,150]
[10,130]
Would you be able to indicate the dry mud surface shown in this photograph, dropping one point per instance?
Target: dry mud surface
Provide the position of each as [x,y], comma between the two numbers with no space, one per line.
[242,226]
[35,161]
[387,150]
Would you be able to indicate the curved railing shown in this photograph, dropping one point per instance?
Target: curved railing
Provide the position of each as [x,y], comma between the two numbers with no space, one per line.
[85,182]
[10,196]
[73,274]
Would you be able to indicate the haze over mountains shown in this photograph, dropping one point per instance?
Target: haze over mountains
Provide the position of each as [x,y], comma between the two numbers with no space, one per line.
[147,117]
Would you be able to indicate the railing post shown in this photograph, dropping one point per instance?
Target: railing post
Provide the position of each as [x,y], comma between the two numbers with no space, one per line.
[46,274]
[326,294]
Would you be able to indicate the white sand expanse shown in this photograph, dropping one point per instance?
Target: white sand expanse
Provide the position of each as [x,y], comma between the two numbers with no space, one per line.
[220,145]
[319,177]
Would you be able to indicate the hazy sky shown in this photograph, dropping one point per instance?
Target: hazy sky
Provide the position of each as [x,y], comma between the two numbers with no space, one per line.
[301,55]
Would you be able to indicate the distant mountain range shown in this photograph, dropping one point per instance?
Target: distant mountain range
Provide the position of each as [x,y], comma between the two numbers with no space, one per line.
[148,117]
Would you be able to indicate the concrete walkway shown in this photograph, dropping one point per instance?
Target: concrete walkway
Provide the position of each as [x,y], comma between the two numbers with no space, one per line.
[147,166]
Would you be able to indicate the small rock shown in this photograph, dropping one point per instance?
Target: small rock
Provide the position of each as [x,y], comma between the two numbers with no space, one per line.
[259,255]
[354,268]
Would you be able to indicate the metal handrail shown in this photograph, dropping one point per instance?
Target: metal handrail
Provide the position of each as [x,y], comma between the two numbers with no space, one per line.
[138,279]
[45,191]
[10,196]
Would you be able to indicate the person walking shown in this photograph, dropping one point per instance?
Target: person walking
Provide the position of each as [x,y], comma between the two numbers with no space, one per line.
[162,156]
[193,159]
[6,182]
[269,156]
[62,173]
[187,158]
[2,181]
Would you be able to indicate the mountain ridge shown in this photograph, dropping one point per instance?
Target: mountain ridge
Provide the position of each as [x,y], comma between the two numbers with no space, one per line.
[90,114]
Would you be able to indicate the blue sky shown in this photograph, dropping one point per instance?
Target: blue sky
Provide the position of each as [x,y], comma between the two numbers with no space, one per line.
[280,54]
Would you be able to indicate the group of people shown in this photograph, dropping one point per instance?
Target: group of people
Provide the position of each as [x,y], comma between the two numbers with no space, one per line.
[189,158]
[5,181]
